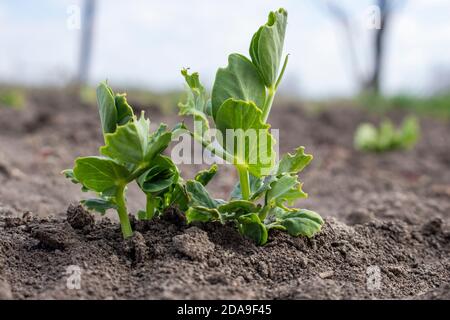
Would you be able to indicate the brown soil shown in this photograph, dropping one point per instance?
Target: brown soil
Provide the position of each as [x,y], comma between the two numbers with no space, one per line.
[388,211]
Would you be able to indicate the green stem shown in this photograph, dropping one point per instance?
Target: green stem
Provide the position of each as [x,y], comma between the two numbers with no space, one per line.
[123,212]
[271,92]
[282,72]
[244,180]
[225,155]
[268,103]
[150,207]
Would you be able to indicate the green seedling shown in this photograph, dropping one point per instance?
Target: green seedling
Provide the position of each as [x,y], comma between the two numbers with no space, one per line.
[241,100]
[387,137]
[12,98]
[130,153]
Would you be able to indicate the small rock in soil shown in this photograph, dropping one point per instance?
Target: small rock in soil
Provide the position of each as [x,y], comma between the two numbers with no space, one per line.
[50,237]
[360,216]
[433,227]
[78,217]
[194,243]
[12,222]
[326,274]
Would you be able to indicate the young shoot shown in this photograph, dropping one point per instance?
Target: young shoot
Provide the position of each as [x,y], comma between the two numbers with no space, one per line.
[130,153]
[241,100]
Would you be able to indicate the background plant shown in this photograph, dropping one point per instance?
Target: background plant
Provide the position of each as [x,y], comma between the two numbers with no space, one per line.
[387,137]
[241,99]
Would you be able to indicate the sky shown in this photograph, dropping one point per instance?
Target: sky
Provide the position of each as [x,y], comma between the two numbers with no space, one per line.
[145,43]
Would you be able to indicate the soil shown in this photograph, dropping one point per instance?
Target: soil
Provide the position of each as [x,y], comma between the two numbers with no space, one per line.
[386,215]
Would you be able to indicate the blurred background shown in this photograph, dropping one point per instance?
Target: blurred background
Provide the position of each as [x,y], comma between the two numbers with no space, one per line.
[144,44]
[351,61]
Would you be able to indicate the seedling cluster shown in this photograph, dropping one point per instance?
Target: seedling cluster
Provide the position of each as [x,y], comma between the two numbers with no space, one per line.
[241,100]
[387,137]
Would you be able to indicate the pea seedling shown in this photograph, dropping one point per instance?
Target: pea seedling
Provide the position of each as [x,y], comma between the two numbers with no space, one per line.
[387,137]
[241,100]
[131,153]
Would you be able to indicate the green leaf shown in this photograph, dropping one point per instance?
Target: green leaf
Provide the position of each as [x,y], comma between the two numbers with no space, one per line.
[99,174]
[99,205]
[205,176]
[107,108]
[158,142]
[124,110]
[294,163]
[240,80]
[178,196]
[162,174]
[266,47]
[409,132]
[366,137]
[196,103]
[129,143]
[285,189]
[239,207]
[265,186]
[68,173]
[199,195]
[250,142]
[142,215]
[201,214]
[301,223]
[250,226]
[387,138]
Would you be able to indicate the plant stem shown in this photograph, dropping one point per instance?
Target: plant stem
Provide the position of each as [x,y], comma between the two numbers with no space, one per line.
[282,72]
[244,180]
[268,103]
[123,212]
[271,92]
[225,155]
[150,207]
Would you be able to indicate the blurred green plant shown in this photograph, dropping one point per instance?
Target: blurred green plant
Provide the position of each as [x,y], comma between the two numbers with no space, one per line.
[12,98]
[387,137]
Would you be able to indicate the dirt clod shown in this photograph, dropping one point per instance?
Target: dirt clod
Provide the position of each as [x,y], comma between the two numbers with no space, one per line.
[359,216]
[50,237]
[194,244]
[136,248]
[78,217]
[434,226]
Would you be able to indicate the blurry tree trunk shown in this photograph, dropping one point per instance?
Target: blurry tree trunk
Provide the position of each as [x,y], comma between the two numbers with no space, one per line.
[369,83]
[372,85]
[87,29]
